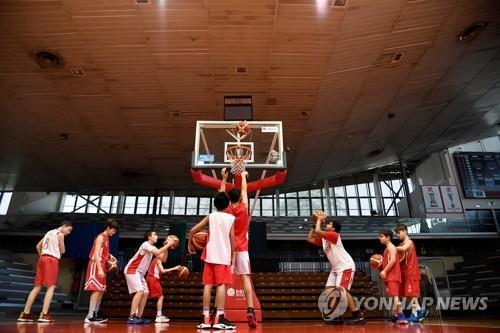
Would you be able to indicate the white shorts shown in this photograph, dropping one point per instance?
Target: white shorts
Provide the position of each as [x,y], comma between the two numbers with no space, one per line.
[242,263]
[341,279]
[136,282]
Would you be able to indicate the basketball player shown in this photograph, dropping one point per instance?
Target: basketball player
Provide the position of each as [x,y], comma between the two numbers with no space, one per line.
[96,271]
[342,265]
[154,284]
[239,209]
[218,256]
[135,270]
[50,249]
[391,275]
[410,274]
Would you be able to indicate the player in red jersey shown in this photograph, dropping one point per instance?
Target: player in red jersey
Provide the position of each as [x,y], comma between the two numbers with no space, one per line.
[50,249]
[239,209]
[154,284]
[410,273]
[391,274]
[96,271]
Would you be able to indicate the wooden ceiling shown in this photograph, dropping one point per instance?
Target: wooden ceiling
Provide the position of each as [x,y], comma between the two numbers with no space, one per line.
[153,69]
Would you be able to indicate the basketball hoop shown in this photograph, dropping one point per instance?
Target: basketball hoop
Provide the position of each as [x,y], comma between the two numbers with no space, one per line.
[238,155]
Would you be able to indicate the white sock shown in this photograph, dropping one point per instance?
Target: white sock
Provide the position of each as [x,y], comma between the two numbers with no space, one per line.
[92,308]
[97,305]
[158,313]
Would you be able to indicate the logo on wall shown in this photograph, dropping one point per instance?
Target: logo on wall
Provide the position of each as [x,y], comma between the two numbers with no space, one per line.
[432,199]
[451,199]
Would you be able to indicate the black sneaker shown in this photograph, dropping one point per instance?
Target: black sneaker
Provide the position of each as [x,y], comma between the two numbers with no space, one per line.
[335,321]
[204,323]
[357,318]
[94,319]
[221,323]
[98,314]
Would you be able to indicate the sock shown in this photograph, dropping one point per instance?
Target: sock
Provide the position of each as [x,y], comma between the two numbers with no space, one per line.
[220,312]
[158,313]
[206,312]
[92,307]
[97,305]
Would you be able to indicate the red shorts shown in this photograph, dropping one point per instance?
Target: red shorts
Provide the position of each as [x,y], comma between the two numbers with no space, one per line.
[341,279]
[217,274]
[392,288]
[154,286]
[93,282]
[47,268]
[410,287]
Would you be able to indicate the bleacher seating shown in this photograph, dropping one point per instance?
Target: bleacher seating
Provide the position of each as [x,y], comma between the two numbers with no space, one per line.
[16,282]
[282,295]
[478,277]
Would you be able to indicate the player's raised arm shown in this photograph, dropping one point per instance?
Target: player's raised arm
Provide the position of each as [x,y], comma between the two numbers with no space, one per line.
[310,237]
[244,193]
[224,174]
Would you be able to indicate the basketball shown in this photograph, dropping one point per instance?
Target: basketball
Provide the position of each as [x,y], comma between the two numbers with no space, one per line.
[376,262]
[175,239]
[242,127]
[200,240]
[183,273]
[111,265]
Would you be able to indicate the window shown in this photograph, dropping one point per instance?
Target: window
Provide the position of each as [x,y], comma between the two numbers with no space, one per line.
[5,198]
[129,204]
[165,204]
[267,205]
[340,204]
[106,203]
[81,204]
[179,206]
[353,206]
[192,206]
[282,202]
[292,208]
[69,203]
[205,206]
[305,207]
[142,205]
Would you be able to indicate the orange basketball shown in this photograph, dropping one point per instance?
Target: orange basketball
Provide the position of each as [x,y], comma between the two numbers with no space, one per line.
[111,265]
[183,273]
[200,240]
[242,127]
[376,262]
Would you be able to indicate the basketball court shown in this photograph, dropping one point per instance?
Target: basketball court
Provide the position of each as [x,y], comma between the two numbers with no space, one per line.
[249,166]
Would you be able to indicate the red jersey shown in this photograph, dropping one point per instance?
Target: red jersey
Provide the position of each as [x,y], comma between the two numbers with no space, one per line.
[154,270]
[241,224]
[395,273]
[104,248]
[409,265]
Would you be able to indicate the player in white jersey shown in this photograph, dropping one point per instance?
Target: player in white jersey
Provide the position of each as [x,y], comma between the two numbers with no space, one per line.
[49,248]
[342,265]
[135,270]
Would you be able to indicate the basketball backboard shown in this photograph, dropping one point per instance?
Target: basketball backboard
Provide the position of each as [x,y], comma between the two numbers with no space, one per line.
[216,143]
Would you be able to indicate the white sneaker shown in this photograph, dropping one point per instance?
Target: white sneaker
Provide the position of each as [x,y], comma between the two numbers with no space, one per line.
[161,319]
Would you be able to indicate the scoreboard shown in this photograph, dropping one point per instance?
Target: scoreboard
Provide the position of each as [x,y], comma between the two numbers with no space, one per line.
[479,174]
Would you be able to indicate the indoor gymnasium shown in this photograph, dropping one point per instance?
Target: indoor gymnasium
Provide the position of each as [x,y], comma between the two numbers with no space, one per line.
[268,166]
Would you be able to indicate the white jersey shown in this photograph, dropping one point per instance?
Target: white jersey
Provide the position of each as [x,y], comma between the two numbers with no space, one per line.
[218,249]
[50,244]
[338,257]
[141,260]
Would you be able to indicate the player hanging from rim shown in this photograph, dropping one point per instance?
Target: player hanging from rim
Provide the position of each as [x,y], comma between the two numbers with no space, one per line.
[239,209]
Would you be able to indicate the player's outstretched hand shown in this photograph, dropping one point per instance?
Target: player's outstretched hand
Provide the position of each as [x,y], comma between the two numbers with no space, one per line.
[224,174]
[244,174]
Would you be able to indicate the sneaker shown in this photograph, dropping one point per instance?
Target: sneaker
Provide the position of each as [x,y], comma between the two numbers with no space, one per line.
[222,323]
[134,320]
[94,319]
[357,318]
[26,317]
[413,319]
[335,321]
[401,319]
[161,319]
[99,315]
[205,323]
[45,318]
[252,321]
[394,319]
[145,321]
[422,314]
